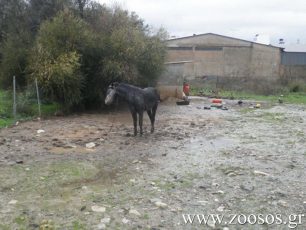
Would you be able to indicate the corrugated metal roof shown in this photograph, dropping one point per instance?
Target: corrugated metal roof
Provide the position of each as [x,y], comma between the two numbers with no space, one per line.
[294,58]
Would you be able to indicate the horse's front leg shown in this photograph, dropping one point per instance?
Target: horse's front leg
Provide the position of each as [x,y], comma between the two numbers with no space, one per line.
[134,115]
[140,121]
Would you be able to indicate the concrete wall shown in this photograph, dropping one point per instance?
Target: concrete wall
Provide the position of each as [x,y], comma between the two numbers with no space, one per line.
[293,74]
[266,62]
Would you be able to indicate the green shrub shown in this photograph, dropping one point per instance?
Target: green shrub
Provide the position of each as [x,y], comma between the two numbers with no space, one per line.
[56,58]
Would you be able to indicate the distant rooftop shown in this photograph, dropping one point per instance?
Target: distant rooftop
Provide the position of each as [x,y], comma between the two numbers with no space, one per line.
[294,47]
[261,40]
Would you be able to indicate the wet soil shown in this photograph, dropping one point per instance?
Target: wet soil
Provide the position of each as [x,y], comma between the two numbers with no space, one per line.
[236,161]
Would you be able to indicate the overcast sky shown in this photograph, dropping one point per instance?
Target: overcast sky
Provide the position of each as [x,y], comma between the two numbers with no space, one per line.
[236,18]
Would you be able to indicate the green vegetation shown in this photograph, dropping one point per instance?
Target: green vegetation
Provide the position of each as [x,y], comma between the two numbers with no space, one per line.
[27,107]
[75,49]
[78,226]
[288,96]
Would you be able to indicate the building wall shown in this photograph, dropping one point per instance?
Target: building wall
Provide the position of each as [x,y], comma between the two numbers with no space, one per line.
[293,74]
[221,61]
[266,62]
[293,69]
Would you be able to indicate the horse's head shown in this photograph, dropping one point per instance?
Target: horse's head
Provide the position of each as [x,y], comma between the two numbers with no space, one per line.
[111,92]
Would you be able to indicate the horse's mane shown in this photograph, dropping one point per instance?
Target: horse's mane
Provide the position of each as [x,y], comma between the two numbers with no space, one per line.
[125,85]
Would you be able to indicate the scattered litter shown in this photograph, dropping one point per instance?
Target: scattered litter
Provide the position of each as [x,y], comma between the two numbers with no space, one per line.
[125,221]
[105,220]
[220,209]
[134,212]
[96,208]
[154,200]
[282,203]
[46,224]
[216,105]
[203,202]
[182,102]
[40,131]
[217,101]
[160,204]
[280,99]
[90,145]
[256,172]
[13,202]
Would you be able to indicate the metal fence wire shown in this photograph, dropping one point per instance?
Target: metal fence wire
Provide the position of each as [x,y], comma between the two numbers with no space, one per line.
[20,101]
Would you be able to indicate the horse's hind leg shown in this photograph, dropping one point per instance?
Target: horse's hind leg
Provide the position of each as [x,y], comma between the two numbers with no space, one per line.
[153,117]
[140,122]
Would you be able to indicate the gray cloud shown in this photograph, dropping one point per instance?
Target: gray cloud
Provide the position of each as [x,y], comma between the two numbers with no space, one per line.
[237,18]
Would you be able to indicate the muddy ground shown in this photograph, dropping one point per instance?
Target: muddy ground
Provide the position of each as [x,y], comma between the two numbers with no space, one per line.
[237,161]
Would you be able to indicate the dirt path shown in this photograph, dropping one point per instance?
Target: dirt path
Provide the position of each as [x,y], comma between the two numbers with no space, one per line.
[240,161]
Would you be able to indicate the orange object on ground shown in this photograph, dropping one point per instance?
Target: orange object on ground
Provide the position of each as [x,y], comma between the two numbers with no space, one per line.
[217,101]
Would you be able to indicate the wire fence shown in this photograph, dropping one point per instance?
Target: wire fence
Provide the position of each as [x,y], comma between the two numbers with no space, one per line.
[20,102]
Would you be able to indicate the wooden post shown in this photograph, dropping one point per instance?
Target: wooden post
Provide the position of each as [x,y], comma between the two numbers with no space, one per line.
[38,99]
[14,96]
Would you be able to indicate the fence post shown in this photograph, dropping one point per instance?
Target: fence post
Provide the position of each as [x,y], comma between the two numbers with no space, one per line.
[14,96]
[38,99]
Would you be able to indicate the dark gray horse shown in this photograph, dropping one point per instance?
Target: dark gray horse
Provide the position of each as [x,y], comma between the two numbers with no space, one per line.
[139,100]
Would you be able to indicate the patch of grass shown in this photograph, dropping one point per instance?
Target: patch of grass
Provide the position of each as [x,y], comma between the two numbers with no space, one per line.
[288,97]
[272,116]
[46,109]
[5,227]
[145,216]
[246,110]
[78,226]
[165,185]
[4,122]
[21,221]
[27,108]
